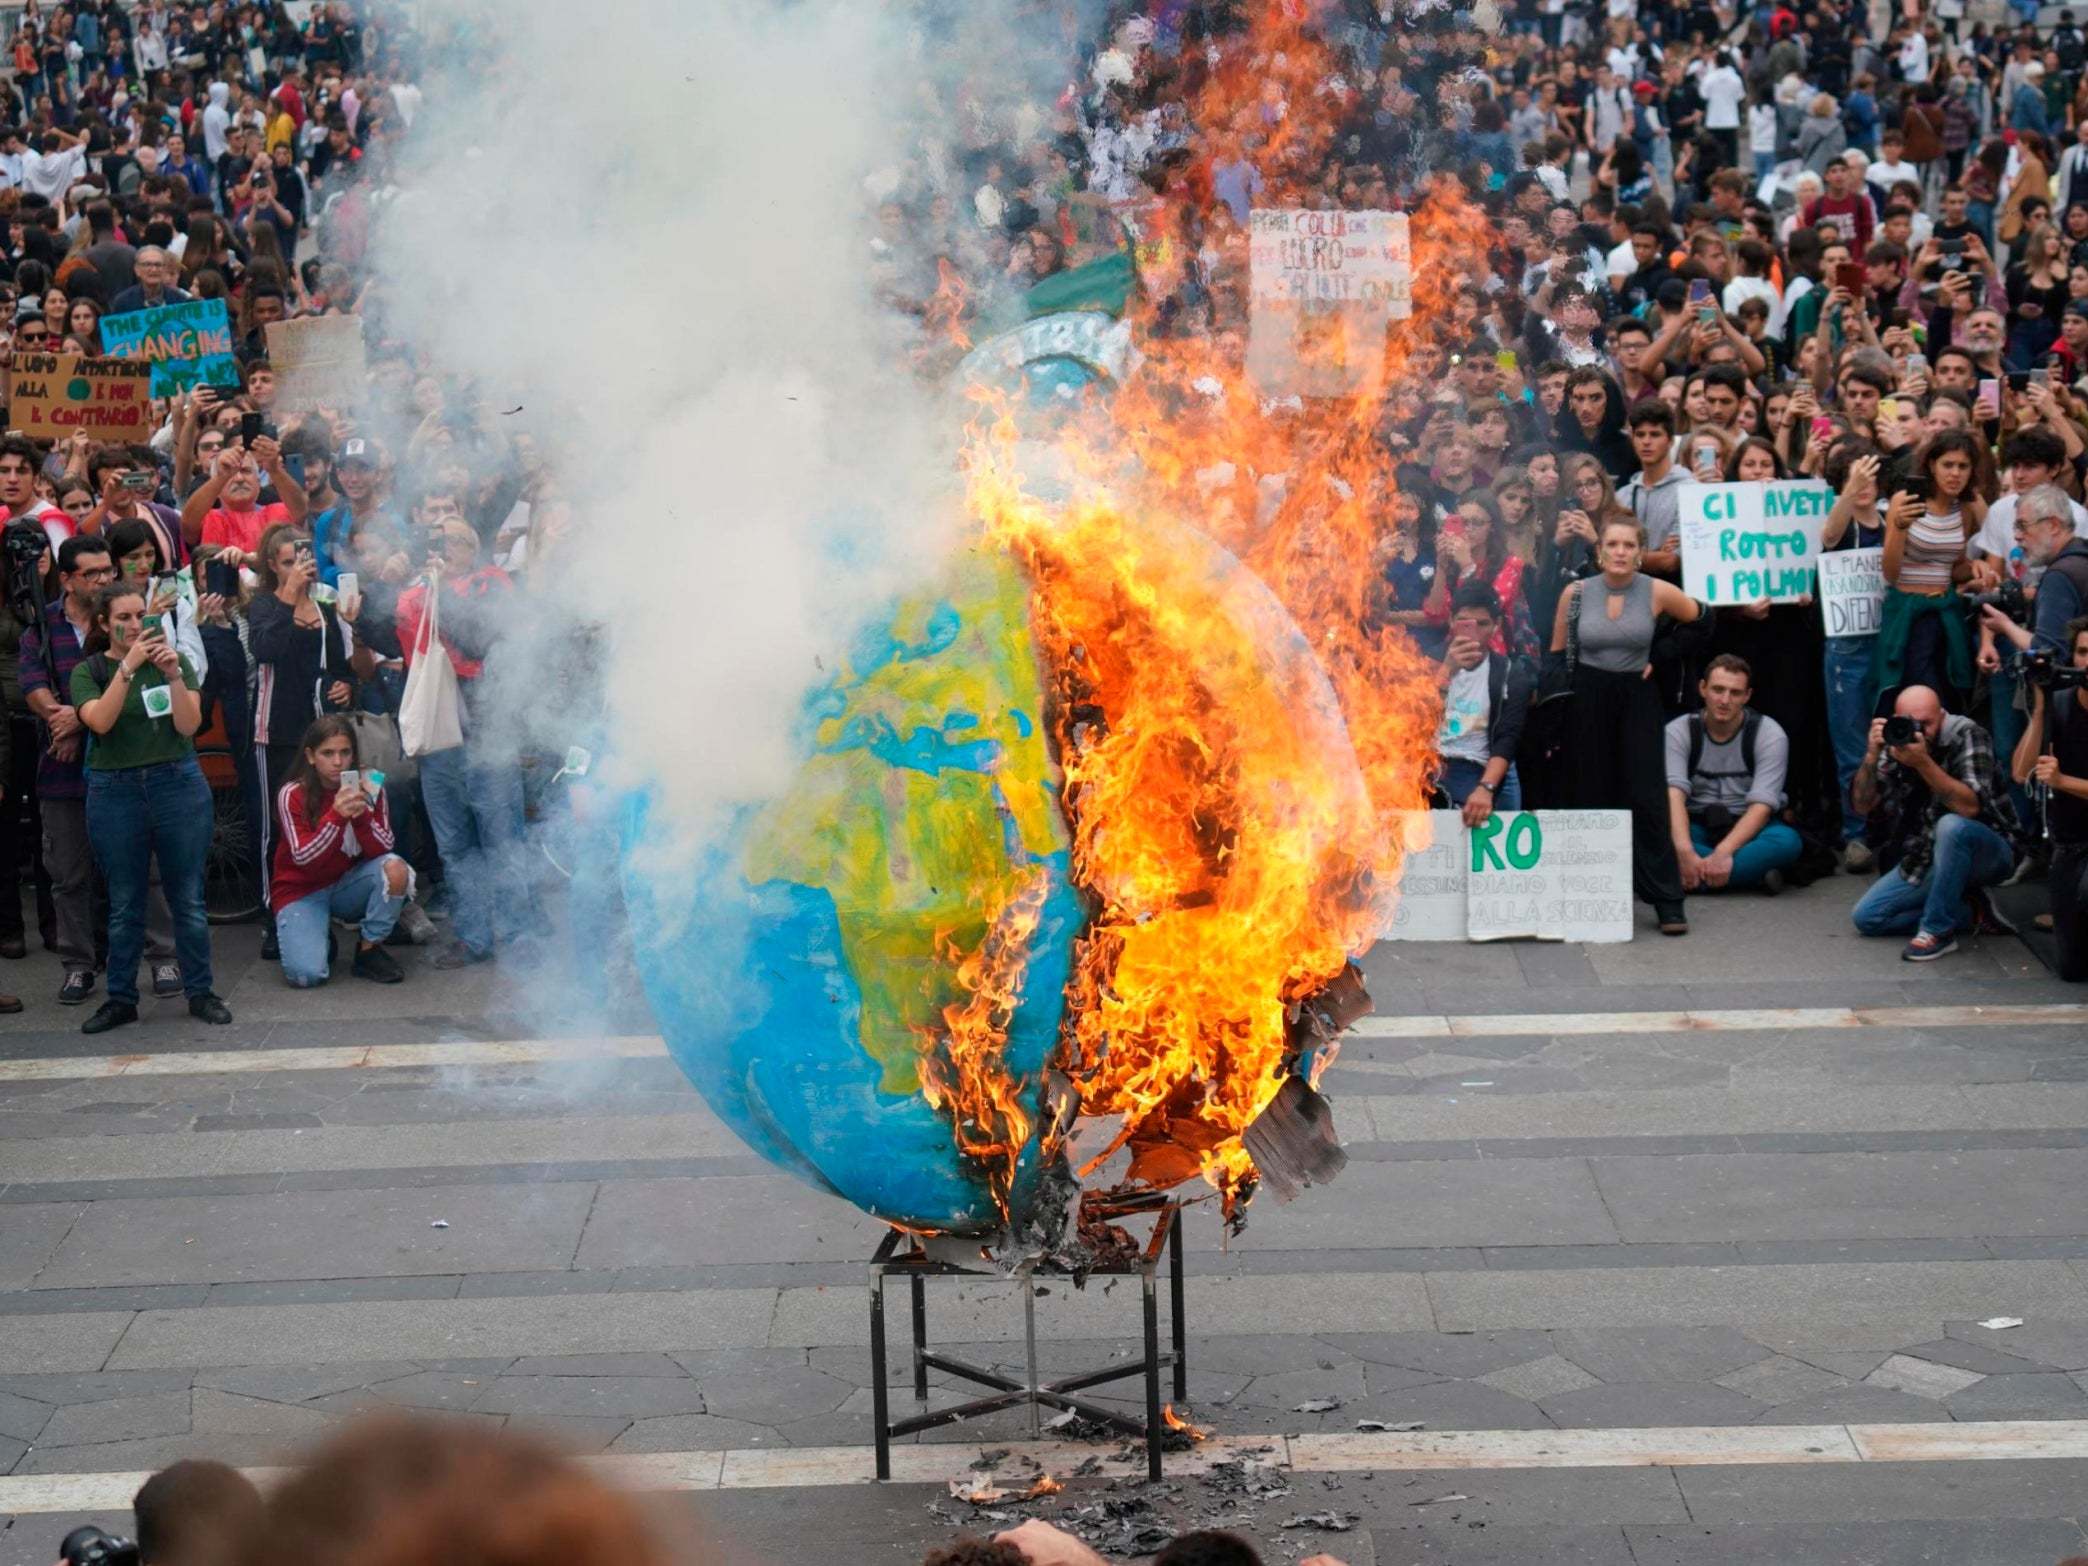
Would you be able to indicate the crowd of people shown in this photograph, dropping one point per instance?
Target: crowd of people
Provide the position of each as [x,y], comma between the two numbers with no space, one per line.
[258,576]
[1691,245]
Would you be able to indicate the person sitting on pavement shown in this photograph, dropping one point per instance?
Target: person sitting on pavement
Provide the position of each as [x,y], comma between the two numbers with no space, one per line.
[1949,828]
[1485,697]
[2061,769]
[334,860]
[1725,775]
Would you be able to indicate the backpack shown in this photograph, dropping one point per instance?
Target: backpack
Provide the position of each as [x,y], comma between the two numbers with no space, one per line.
[1750,726]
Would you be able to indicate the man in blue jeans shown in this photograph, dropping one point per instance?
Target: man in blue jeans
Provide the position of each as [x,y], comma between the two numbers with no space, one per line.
[1485,698]
[1933,777]
[1725,777]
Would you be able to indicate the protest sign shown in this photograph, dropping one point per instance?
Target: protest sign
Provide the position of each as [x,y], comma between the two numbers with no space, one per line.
[1852,591]
[1555,875]
[186,344]
[318,362]
[1744,542]
[1322,287]
[55,396]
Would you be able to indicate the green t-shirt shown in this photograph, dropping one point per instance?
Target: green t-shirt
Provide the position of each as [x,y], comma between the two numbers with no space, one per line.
[137,740]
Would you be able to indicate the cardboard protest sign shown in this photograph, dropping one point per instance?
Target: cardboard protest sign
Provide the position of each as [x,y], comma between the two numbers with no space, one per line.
[1322,288]
[55,396]
[318,362]
[1852,591]
[1744,542]
[186,344]
[1555,875]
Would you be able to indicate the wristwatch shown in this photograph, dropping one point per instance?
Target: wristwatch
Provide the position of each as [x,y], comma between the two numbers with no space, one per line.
[1482,783]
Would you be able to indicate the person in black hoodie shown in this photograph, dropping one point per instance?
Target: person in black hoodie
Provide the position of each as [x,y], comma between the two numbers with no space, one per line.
[1592,420]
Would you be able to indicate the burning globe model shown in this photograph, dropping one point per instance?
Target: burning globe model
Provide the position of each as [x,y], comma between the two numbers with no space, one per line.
[1068,881]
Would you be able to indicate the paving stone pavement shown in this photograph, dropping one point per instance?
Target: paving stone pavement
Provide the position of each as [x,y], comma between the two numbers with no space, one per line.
[1539,1230]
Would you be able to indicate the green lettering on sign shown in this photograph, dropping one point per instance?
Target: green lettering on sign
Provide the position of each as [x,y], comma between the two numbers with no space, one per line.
[1525,841]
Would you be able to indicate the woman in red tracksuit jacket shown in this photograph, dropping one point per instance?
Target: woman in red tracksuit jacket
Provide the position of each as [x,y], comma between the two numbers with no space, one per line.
[334,860]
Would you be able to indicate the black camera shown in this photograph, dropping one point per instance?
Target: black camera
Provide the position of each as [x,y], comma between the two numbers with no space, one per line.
[1901,730]
[90,1546]
[2009,598]
[2042,669]
[22,547]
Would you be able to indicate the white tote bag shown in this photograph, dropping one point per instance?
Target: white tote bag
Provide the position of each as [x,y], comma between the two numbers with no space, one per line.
[429,716]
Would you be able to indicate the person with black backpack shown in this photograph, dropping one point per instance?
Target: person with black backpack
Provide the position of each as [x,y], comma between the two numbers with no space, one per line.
[1725,776]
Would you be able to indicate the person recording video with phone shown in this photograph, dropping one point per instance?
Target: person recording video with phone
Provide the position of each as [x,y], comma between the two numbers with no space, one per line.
[135,547]
[2053,755]
[308,658]
[334,859]
[1949,828]
[146,797]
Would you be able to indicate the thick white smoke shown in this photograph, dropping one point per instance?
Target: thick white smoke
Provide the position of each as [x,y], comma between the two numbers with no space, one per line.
[648,226]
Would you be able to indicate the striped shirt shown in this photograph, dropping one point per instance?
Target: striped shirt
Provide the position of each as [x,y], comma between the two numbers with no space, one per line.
[1934,545]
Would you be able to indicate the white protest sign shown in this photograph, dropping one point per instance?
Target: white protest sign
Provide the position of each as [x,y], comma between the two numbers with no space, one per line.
[1432,878]
[1745,542]
[1322,287]
[1553,875]
[1852,591]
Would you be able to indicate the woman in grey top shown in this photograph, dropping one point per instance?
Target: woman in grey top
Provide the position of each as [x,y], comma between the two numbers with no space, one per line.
[1615,760]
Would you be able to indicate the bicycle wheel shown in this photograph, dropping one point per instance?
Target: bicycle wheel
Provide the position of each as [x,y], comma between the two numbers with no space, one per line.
[231,882]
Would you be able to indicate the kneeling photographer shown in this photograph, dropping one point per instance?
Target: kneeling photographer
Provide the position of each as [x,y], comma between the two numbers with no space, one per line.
[2053,754]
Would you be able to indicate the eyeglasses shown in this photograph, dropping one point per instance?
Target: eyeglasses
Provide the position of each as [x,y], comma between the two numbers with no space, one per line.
[96,573]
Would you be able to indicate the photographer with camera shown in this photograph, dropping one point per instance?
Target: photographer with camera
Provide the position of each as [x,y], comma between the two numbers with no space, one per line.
[2044,531]
[2053,755]
[192,1513]
[1949,827]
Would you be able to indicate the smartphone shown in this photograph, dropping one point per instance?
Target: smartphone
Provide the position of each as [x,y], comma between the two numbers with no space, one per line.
[250,427]
[1699,292]
[155,624]
[222,577]
[348,584]
[1917,485]
[2018,380]
[373,781]
[1850,275]
[1707,317]
[303,548]
[1822,428]
[350,778]
[1918,361]
[141,483]
[1888,409]
[1989,397]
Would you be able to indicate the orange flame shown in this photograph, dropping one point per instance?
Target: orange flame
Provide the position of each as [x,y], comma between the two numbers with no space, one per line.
[1175,1421]
[962,1071]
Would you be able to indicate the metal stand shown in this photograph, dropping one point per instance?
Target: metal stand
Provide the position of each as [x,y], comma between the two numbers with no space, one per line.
[917,1268]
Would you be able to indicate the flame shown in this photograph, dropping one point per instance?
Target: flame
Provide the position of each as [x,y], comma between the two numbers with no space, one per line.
[1231,871]
[1175,1421]
[962,1070]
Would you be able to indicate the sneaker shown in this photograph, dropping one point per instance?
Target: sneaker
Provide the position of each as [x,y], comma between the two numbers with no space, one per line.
[458,955]
[1857,857]
[1772,883]
[1673,921]
[208,1008]
[110,1014]
[1989,919]
[2033,866]
[10,1004]
[166,979]
[1927,948]
[375,963]
[78,985]
[14,947]
[419,928]
[271,950]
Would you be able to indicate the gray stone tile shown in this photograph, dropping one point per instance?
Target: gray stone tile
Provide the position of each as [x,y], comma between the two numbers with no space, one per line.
[678,1223]
[1970,1356]
[2002,1542]
[1778,1379]
[280,1122]
[1283,1392]
[1639,1404]
[1463,1405]
[1538,1379]
[1659,1353]
[334,1291]
[118,1419]
[693,1433]
[145,1455]
[28,1236]
[771,1397]
[1857,1405]
[2047,1396]
[2063,1345]
[366,1235]
[96,1386]
[1995,1491]
[577,1434]
[1923,1378]
[1527,1258]
[628,1397]
[598,1365]
[446,1391]
[21,1418]
[1468,1354]
[1510,1202]
[218,1412]
[301,1383]
[51,1302]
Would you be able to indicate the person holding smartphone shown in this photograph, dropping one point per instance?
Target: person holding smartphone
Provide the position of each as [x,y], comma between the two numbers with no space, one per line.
[334,859]
[1922,633]
[146,798]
